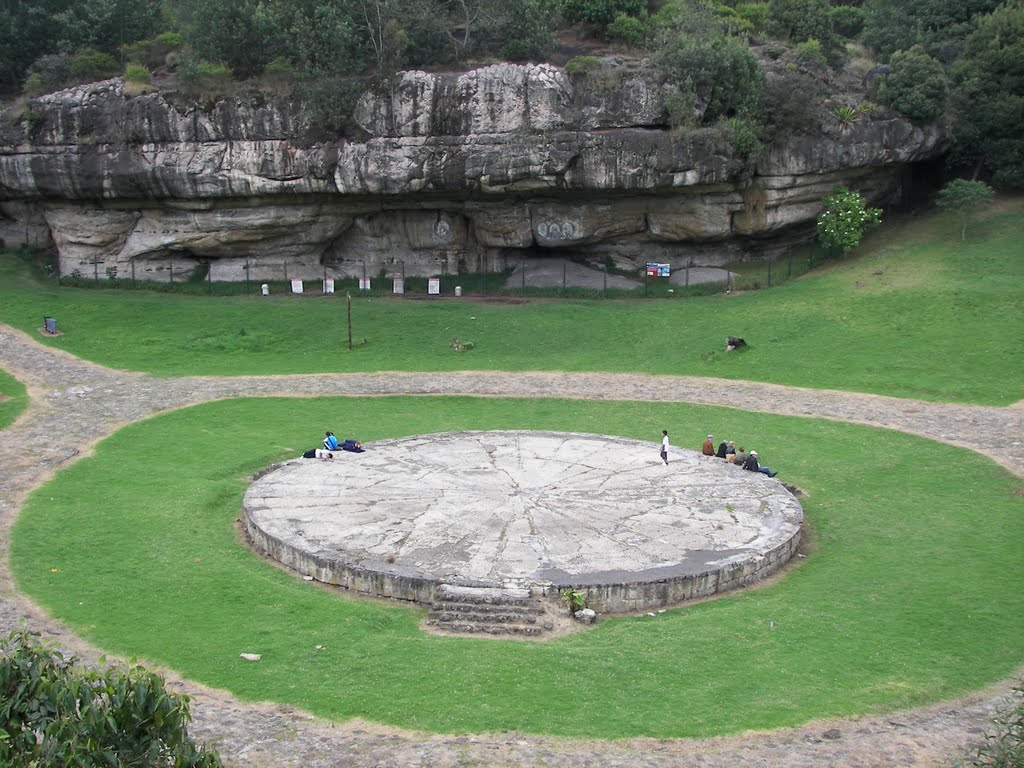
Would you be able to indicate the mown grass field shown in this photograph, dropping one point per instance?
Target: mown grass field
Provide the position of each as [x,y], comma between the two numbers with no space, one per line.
[917,313]
[913,589]
[13,398]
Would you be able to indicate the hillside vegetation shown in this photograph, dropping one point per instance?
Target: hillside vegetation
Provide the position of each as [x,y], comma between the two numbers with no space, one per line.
[758,68]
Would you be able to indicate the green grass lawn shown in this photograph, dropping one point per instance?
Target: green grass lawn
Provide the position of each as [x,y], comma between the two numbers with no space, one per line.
[13,398]
[914,589]
[917,314]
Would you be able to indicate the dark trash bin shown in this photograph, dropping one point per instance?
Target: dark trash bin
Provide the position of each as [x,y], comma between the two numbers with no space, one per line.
[50,325]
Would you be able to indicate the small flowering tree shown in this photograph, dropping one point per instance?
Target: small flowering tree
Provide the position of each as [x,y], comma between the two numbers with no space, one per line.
[845,219]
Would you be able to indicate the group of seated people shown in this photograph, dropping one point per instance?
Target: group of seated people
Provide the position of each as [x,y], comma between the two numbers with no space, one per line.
[332,445]
[727,450]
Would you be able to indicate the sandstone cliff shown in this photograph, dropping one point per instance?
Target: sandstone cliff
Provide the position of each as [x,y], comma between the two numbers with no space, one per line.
[447,172]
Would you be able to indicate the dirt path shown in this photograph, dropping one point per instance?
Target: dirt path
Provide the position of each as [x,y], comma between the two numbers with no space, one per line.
[74,404]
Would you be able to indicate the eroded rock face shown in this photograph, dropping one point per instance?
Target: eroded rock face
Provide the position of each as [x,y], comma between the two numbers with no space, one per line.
[449,172]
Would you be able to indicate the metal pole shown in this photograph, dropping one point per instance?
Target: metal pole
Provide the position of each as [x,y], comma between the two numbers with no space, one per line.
[348,297]
[96,270]
[247,277]
[172,270]
[133,272]
[605,277]
[686,282]
[769,271]
[209,278]
[789,269]
[522,266]
[646,294]
[564,267]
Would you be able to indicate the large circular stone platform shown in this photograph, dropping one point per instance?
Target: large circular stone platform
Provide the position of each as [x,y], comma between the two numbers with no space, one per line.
[535,510]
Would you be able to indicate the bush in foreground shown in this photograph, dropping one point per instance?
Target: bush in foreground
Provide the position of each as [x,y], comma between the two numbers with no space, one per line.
[54,713]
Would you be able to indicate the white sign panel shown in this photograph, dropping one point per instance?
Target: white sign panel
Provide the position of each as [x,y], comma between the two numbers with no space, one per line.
[296,285]
[364,283]
[329,285]
[399,285]
[433,286]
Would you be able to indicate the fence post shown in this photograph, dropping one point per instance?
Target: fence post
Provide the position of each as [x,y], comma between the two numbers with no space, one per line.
[96,270]
[686,282]
[133,272]
[522,266]
[209,278]
[769,271]
[789,269]
[172,270]
[247,276]
[564,269]
[606,280]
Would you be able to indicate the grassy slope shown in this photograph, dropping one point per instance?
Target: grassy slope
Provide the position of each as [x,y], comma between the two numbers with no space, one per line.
[918,314]
[13,399]
[915,590]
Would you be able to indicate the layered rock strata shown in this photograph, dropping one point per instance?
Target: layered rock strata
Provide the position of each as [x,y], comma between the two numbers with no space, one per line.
[448,172]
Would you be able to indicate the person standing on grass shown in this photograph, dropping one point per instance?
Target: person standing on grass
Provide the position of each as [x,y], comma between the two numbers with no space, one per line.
[708,448]
[664,446]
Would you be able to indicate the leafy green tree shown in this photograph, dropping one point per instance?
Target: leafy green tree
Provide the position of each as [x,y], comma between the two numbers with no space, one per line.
[845,219]
[238,33]
[988,97]
[26,34]
[939,26]
[964,198]
[718,74]
[803,20]
[106,25]
[56,714]
[917,86]
[601,12]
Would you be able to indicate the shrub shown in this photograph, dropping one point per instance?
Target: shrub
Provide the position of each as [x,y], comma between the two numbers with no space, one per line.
[137,73]
[845,219]
[963,198]
[49,74]
[917,86]
[847,20]
[601,12]
[808,56]
[204,79]
[789,105]
[1003,746]
[89,66]
[55,713]
[753,13]
[579,66]
[153,53]
[630,30]
[744,137]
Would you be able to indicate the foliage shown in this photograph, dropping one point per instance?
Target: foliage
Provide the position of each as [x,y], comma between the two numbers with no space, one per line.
[845,219]
[631,30]
[137,73]
[241,34]
[579,66]
[963,198]
[744,137]
[48,74]
[988,99]
[755,14]
[917,86]
[803,20]
[808,56]
[105,25]
[939,26]
[719,74]
[789,105]
[601,12]
[1003,746]
[574,599]
[58,714]
[847,20]
[89,66]
[154,52]
[204,79]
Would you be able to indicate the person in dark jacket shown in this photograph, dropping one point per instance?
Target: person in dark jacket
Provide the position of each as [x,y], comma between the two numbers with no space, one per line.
[723,448]
[751,464]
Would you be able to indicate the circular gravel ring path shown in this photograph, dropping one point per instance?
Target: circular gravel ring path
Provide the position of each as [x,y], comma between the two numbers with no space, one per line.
[535,510]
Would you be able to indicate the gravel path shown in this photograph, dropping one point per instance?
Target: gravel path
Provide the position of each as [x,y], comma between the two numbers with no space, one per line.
[74,404]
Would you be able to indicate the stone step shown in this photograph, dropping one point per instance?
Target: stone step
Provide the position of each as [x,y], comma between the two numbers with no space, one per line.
[490,595]
[488,629]
[449,617]
[510,608]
